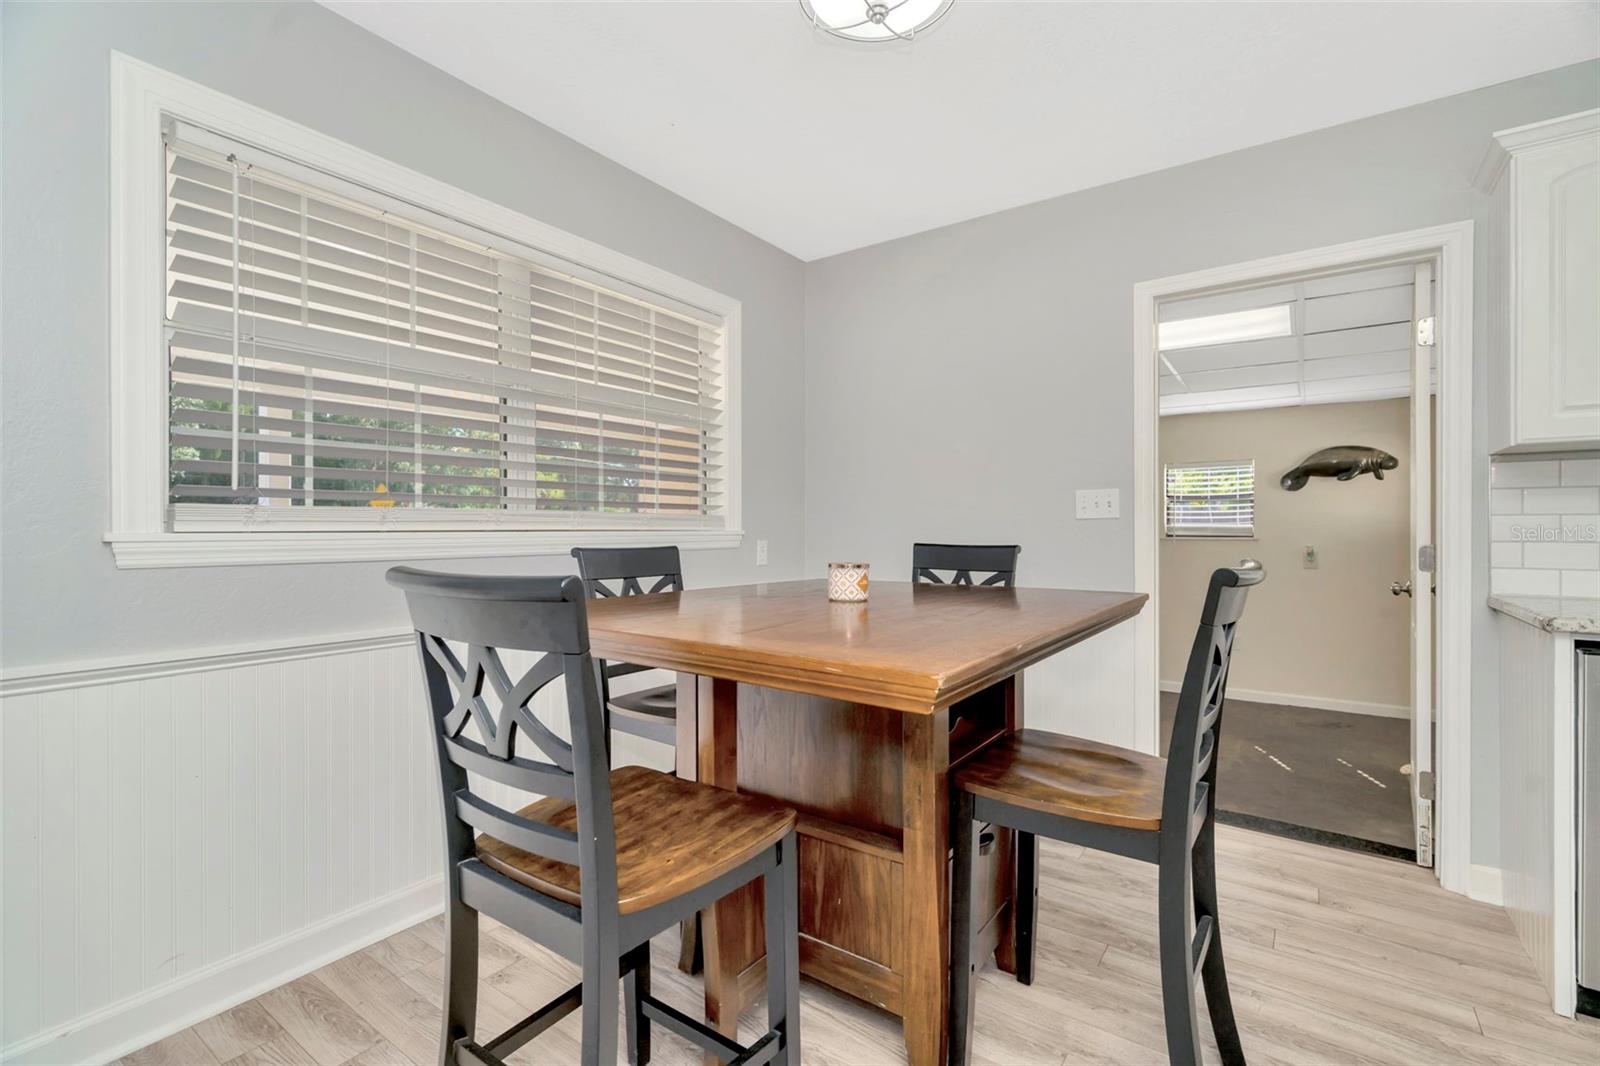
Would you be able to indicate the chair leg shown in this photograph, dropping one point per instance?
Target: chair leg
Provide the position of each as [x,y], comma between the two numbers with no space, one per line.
[691,953]
[1175,905]
[635,986]
[782,890]
[1212,972]
[601,973]
[691,950]
[1027,903]
[460,978]
[963,927]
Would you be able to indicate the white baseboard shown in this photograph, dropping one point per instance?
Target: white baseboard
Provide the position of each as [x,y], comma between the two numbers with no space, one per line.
[115,1030]
[1485,884]
[1320,703]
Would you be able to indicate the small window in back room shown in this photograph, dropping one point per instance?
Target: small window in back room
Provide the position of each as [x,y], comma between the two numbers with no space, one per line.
[1211,499]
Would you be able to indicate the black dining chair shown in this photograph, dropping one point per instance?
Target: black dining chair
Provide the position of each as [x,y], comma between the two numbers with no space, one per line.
[1113,799]
[607,859]
[651,713]
[960,561]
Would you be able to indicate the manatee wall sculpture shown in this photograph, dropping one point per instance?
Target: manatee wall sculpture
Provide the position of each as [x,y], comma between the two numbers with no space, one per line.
[1343,462]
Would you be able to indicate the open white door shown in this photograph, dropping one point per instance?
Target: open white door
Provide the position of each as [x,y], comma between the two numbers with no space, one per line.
[1422,561]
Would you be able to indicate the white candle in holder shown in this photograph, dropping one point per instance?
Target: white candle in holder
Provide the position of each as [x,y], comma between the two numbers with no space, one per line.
[847,582]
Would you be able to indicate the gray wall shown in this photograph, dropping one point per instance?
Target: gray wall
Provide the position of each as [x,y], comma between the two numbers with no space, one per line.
[962,383]
[63,597]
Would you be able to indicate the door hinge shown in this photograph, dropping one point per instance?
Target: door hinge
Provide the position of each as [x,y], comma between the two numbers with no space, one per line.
[1425,784]
[1425,833]
[1426,557]
[1425,332]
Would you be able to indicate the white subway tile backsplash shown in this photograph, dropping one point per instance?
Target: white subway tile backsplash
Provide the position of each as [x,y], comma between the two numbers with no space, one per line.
[1505,501]
[1584,583]
[1525,527]
[1524,475]
[1544,527]
[1505,554]
[1562,501]
[1580,471]
[1562,555]
[1525,582]
[1580,527]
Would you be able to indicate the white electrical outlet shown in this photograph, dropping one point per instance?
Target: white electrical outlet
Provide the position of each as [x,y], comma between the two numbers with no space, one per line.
[1099,503]
[761,553]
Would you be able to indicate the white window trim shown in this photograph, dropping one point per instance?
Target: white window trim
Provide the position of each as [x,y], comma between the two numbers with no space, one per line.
[140,95]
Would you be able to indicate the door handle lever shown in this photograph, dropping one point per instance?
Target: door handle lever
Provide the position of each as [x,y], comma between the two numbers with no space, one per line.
[1398,587]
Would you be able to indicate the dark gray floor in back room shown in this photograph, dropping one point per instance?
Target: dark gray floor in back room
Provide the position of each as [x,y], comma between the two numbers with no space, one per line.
[1324,770]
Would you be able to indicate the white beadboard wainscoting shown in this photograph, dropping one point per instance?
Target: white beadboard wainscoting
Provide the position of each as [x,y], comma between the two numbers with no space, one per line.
[181,835]
[1538,798]
[184,833]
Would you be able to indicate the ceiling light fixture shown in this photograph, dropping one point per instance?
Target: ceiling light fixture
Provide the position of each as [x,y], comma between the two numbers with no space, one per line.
[872,21]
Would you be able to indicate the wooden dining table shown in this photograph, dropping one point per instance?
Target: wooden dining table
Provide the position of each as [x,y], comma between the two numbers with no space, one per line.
[853,714]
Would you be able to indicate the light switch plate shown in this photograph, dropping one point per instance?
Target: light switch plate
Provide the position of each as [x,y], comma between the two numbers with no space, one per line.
[1099,503]
[761,553]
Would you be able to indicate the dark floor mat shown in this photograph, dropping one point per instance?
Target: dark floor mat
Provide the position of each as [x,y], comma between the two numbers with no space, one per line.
[1316,836]
[1331,771]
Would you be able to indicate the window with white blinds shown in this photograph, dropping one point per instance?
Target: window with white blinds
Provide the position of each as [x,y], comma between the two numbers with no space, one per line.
[344,361]
[1211,499]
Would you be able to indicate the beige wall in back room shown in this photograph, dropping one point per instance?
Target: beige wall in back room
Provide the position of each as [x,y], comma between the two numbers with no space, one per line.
[1332,633]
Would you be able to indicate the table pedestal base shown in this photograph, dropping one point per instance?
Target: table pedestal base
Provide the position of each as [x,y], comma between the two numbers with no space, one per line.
[871,787]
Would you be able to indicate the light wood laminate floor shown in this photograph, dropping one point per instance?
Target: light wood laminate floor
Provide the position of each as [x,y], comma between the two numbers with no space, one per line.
[1334,957]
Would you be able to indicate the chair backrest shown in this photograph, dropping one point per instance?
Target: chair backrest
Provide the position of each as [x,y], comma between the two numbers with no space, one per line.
[999,561]
[630,567]
[488,615]
[1192,755]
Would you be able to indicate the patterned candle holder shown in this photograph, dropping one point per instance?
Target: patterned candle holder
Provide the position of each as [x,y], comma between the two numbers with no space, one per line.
[847,582]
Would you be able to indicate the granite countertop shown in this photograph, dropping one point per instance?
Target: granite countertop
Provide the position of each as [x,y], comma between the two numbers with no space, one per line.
[1556,614]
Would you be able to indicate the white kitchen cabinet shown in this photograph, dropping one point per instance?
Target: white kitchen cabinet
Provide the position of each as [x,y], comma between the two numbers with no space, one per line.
[1543,299]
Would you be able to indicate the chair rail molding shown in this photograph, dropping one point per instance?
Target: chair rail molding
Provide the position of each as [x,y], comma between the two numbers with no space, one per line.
[79,673]
[1451,245]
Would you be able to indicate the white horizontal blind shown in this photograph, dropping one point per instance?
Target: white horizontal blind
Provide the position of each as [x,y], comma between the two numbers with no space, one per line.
[333,364]
[1211,499]
[1351,341]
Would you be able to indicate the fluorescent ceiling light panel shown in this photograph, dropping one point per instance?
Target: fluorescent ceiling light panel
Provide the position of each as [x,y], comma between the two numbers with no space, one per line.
[1260,323]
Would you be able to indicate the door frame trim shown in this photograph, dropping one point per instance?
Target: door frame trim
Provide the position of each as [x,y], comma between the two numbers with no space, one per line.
[1450,246]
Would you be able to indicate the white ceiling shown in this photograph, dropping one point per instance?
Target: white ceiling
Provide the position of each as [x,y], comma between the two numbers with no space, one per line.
[820,146]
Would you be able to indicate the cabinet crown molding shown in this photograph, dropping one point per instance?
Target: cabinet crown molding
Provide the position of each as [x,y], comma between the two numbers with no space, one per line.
[1504,143]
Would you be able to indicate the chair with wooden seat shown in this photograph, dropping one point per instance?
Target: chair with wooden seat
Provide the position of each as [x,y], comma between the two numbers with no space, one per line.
[651,713]
[1113,799]
[959,561]
[608,859]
